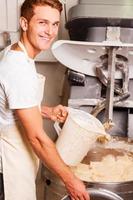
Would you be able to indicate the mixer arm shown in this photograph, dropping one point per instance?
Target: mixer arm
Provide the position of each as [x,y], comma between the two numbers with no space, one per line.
[121,64]
[107,104]
[101,106]
[100,75]
[110,83]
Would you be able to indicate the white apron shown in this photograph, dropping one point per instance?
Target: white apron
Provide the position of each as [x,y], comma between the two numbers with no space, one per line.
[19,162]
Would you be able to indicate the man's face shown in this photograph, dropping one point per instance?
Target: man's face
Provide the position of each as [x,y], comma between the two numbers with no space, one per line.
[43,27]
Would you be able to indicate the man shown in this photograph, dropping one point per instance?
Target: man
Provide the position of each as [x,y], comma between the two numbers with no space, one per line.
[22,138]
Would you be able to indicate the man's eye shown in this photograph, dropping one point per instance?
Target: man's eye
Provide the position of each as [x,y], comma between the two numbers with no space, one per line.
[42,22]
[56,25]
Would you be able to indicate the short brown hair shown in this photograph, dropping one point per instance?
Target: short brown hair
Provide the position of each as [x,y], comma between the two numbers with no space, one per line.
[27,8]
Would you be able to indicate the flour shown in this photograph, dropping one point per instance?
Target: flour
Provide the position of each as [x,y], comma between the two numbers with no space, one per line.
[109,162]
[109,169]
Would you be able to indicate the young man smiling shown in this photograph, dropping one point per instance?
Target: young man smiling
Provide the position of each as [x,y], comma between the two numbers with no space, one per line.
[22,138]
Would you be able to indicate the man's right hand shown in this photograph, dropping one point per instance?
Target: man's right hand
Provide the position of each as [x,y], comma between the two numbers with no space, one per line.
[76,189]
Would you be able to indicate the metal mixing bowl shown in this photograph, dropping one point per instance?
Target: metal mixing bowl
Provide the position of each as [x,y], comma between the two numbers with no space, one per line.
[98,194]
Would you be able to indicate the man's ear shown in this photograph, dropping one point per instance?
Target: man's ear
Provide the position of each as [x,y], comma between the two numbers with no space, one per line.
[23,23]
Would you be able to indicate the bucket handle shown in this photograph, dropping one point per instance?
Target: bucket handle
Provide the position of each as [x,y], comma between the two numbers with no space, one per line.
[57,128]
[56,124]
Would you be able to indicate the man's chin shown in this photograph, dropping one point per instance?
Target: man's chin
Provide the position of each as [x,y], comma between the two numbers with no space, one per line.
[45,46]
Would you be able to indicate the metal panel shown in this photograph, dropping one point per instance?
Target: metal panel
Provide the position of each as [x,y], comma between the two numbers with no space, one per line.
[83,56]
[107,2]
[103,11]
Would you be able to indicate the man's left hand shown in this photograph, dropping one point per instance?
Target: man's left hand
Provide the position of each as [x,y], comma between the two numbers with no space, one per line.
[58,113]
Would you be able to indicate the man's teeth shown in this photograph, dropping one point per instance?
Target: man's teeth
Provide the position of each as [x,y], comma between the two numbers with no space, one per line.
[44,38]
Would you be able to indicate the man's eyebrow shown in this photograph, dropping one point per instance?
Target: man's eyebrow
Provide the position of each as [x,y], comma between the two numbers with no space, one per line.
[45,20]
[56,22]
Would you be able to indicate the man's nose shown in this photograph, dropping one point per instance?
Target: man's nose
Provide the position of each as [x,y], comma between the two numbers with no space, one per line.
[49,29]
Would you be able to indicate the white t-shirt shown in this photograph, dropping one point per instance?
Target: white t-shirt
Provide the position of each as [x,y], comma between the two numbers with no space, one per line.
[18,85]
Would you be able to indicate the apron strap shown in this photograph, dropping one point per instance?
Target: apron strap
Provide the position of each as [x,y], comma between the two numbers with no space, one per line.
[20,44]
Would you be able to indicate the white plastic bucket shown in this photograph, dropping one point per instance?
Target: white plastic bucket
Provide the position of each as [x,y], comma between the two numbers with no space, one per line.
[77,136]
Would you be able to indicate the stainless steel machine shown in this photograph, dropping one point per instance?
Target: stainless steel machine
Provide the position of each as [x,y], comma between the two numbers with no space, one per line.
[99,58]
[103,62]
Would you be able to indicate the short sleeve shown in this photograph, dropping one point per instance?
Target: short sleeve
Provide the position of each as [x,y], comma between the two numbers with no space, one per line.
[21,87]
